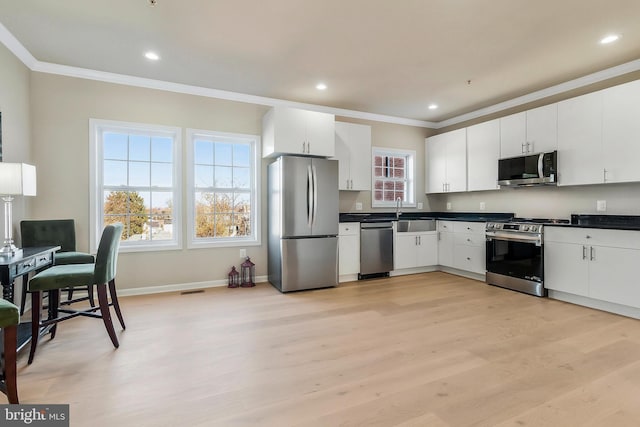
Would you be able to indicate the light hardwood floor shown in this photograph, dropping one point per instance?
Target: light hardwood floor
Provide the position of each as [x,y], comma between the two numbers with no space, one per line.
[422,350]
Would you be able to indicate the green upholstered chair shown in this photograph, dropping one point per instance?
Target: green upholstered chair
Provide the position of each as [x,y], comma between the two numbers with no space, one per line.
[101,274]
[58,232]
[9,319]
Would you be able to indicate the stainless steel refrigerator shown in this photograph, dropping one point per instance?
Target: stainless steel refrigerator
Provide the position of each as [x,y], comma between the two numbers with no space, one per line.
[303,223]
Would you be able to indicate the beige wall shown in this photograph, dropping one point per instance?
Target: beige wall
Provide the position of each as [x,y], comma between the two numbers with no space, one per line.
[61,109]
[546,202]
[16,139]
[390,136]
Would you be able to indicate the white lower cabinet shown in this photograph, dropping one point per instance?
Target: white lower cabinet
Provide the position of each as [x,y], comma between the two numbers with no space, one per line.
[349,248]
[413,250]
[594,263]
[461,245]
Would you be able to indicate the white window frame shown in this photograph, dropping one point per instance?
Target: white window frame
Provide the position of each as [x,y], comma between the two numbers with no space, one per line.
[194,242]
[410,176]
[96,163]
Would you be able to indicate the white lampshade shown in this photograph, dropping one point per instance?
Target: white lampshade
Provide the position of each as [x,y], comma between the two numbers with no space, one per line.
[17,179]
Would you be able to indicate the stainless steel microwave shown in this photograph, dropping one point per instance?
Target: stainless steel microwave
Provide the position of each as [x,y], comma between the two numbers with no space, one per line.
[531,170]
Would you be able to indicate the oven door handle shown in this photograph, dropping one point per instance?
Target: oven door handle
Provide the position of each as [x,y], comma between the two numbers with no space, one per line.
[492,235]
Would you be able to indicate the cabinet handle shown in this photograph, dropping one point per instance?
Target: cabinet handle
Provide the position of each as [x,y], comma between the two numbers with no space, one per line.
[351,184]
[522,146]
[439,236]
[588,237]
[604,175]
[592,253]
[468,259]
[584,252]
[308,147]
[420,240]
[468,240]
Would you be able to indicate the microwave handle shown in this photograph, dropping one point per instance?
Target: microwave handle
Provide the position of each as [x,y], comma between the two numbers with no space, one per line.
[541,165]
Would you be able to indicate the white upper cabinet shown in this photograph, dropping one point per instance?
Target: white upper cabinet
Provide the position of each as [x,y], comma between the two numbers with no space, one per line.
[621,132]
[513,135]
[483,151]
[353,152]
[293,131]
[446,160]
[529,132]
[580,159]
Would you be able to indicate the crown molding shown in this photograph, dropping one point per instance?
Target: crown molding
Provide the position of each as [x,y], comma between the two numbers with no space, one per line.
[45,67]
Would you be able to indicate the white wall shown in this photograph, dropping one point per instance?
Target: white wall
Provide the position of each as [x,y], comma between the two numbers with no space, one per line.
[16,139]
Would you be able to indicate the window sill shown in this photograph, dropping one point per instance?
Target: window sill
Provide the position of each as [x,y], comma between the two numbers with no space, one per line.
[223,244]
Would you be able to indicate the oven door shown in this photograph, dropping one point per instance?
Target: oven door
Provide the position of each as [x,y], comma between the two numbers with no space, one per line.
[515,255]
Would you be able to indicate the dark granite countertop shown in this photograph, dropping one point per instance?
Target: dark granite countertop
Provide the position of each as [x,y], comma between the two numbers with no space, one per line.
[449,216]
[611,222]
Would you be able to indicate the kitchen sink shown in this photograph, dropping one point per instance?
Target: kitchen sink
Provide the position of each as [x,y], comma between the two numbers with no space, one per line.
[406,226]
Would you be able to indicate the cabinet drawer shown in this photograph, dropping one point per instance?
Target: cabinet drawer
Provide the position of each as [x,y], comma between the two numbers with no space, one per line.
[43,260]
[349,228]
[469,227]
[629,239]
[468,239]
[445,225]
[470,258]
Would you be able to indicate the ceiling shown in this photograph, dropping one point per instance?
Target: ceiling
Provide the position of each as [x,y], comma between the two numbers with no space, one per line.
[385,57]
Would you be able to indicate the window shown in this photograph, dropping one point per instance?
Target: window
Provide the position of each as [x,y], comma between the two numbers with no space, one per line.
[223,189]
[393,177]
[135,172]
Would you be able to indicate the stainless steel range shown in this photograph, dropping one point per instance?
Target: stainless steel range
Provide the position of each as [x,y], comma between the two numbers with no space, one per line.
[515,255]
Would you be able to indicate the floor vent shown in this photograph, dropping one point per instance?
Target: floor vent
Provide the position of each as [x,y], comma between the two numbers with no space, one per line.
[196,291]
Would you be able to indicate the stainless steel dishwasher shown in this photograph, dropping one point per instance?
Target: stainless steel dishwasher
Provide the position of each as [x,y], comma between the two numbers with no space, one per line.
[376,249]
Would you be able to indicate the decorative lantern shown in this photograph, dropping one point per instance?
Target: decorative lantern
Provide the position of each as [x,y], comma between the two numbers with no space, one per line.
[248,274]
[234,278]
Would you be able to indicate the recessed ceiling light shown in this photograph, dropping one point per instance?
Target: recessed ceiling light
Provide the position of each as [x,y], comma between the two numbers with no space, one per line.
[433,107]
[609,39]
[321,86]
[152,56]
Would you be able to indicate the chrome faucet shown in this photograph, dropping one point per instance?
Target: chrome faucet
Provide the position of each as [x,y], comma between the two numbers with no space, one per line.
[398,206]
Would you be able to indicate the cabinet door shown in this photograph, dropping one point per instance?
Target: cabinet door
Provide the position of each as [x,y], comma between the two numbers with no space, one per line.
[566,268]
[483,151]
[513,135]
[456,160]
[405,251]
[320,133]
[580,140]
[542,129]
[445,249]
[613,275]
[436,161]
[360,145]
[343,156]
[349,254]
[470,258]
[290,130]
[621,132]
[427,250]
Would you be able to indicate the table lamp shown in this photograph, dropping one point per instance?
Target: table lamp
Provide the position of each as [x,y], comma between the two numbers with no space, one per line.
[16,179]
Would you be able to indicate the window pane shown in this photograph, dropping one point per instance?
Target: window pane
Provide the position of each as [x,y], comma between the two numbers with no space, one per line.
[115,146]
[115,202]
[224,226]
[241,178]
[203,176]
[223,154]
[161,149]
[203,152]
[139,227]
[139,174]
[223,202]
[114,173]
[242,203]
[204,202]
[139,147]
[204,225]
[161,228]
[243,225]
[161,174]
[223,177]
[242,155]
[378,195]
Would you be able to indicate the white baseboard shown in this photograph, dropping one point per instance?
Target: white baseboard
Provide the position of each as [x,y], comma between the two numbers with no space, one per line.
[179,287]
[611,307]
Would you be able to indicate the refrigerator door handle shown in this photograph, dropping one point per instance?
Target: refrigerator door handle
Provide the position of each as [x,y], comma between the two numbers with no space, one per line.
[315,194]
[309,196]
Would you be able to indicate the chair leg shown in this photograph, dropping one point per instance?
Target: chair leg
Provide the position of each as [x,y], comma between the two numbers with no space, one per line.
[116,304]
[69,294]
[36,308]
[106,313]
[10,370]
[92,302]
[54,304]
